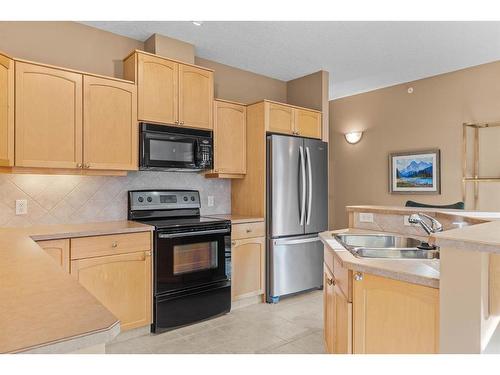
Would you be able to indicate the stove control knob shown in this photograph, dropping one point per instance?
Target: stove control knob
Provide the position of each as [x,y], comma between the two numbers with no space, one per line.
[150,199]
[192,198]
[140,199]
[185,199]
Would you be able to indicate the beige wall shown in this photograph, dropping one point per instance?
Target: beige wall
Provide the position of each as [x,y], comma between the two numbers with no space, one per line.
[81,47]
[394,120]
[311,91]
[68,44]
[243,86]
[171,48]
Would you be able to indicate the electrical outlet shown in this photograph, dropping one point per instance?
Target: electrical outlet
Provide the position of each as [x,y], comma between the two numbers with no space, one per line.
[210,202]
[365,217]
[21,206]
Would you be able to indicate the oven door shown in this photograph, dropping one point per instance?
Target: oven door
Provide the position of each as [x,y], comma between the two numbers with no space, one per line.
[168,150]
[190,259]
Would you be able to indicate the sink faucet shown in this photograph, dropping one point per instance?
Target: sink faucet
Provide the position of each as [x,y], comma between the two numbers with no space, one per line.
[435,226]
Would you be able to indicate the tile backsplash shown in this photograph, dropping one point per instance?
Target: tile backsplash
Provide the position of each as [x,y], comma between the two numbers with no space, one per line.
[81,199]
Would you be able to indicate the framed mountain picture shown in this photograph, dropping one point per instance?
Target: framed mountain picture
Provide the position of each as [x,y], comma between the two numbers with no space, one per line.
[417,172]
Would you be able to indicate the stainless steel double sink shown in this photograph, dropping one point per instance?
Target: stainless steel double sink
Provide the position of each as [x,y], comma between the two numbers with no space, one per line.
[386,246]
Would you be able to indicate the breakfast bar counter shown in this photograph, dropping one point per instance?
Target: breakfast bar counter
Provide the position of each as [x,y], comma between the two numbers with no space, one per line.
[42,308]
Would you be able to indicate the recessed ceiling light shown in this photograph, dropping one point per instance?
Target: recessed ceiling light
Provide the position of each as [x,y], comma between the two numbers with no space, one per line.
[197,23]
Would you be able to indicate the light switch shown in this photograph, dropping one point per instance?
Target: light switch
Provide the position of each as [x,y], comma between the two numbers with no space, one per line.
[210,202]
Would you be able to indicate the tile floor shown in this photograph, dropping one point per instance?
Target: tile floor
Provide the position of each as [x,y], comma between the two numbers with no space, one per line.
[293,326]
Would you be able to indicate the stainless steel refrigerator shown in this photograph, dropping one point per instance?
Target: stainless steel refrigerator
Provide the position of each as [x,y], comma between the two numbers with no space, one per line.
[297,210]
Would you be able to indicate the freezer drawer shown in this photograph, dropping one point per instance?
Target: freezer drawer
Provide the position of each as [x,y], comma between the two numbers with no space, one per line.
[295,264]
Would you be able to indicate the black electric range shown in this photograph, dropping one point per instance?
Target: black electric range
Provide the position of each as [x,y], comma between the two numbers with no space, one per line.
[191,257]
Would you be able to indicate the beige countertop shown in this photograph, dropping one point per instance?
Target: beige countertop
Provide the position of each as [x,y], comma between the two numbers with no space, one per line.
[417,271]
[238,219]
[43,307]
[482,233]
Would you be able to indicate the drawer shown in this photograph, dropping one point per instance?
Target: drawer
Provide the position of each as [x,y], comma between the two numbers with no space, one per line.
[328,258]
[247,230]
[88,247]
[343,278]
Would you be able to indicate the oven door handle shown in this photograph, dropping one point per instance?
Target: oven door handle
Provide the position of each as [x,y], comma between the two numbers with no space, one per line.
[191,234]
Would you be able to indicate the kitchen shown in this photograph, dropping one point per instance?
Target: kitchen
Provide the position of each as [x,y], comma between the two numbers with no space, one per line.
[169,203]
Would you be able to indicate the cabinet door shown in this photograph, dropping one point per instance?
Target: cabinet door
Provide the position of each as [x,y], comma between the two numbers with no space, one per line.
[157,85]
[6,111]
[247,268]
[110,132]
[308,123]
[328,310]
[122,283]
[230,138]
[394,317]
[196,94]
[342,343]
[48,117]
[58,250]
[281,118]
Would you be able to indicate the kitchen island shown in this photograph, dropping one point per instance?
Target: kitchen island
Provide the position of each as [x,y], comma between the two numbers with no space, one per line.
[466,281]
[43,309]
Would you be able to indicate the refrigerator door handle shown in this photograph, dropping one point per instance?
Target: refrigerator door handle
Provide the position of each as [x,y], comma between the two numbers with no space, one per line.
[303,178]
[309,189]
[296,241]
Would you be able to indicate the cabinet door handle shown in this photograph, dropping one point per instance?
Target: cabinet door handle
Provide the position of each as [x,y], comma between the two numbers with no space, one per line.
[182,122]
[330,281]
[233,243]
[176,122]
[249,230]
[79,165]
[114,244]
[358,276]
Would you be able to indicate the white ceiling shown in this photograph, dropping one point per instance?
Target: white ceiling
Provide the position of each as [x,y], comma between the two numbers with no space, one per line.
[360,56]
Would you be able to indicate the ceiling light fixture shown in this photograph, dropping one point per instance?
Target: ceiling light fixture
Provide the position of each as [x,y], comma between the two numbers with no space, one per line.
[353,137]
[197,23]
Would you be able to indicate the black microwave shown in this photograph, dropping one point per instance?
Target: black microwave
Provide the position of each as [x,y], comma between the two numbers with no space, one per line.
[171,148]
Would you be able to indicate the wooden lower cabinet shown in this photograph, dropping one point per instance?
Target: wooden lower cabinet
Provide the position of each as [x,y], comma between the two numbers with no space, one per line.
[58,250]
[394,317]
[337,314]
[247,267]
[120,282]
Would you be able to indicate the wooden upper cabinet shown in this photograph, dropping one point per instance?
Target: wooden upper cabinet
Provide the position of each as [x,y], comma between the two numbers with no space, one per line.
[48,117]
[158,89]
[281,118]
[196,93]
[58,250]
[229,138]
[307,123]
[394,317]
[110,130]
[6,111]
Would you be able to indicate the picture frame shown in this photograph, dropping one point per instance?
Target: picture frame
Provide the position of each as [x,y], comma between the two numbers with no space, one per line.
[415,172]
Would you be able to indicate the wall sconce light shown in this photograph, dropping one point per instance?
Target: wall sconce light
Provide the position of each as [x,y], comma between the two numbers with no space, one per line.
[353,137]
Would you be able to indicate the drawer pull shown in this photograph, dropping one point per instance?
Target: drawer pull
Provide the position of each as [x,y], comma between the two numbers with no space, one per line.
[233,243]
[249,230]
[358,276]
[330,281]
[114,244]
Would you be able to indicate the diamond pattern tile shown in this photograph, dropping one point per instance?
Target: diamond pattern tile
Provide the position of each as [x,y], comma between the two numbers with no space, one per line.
[80,199]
